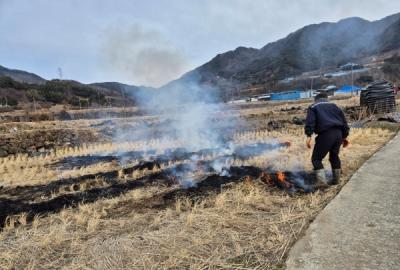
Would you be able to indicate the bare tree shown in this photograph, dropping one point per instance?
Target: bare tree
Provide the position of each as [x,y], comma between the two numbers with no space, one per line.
[32,93]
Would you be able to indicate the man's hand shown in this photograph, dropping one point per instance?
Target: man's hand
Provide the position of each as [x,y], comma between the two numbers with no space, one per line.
[308,142]
[345,143]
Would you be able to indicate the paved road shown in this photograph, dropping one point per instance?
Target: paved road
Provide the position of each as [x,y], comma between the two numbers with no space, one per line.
[360,227]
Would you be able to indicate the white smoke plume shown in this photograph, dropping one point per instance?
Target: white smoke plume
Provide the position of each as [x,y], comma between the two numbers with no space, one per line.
[192,112]
[144,56]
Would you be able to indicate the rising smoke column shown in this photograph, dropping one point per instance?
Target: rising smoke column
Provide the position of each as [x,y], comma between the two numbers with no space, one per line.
[191,110]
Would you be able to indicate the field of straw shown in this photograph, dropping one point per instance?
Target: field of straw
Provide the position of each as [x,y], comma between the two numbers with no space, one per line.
[247,225]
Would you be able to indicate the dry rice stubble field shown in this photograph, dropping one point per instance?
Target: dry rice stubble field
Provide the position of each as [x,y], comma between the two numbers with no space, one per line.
[247,225]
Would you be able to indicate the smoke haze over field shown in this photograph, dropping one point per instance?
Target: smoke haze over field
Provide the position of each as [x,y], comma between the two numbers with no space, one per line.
[42,35]
[191,111]
[145,56]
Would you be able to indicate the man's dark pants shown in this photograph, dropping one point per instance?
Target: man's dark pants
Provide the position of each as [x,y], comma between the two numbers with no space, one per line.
[326,142]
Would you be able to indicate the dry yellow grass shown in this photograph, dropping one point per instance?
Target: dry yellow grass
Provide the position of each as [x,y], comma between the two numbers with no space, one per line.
[21,169]
[246,226]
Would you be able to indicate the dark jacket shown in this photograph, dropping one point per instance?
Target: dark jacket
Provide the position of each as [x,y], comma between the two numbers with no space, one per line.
[324,115]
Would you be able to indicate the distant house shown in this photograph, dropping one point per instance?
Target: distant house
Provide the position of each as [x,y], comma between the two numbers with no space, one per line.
[347,89]
[350,66]
[237,101]
[264,97]
[307,94]
[287,80]
[329,90]
[254,98]
[289,95]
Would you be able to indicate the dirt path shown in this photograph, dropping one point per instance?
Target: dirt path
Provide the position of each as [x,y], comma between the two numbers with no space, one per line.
[359,229]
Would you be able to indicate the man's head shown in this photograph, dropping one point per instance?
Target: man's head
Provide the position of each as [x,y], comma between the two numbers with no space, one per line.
[321,96]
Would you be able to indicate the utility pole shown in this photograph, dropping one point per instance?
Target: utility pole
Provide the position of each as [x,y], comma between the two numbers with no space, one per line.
[352,79]
[123,101]
[311,88]
[320,64]
[98,98]
[34,102]
[312,81]
[60,73]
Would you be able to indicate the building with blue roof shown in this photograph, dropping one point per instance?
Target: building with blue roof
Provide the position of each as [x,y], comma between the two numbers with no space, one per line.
[289,95]
[347,89]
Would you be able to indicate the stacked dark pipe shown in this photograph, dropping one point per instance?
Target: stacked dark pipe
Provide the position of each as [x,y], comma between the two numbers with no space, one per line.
[379,97]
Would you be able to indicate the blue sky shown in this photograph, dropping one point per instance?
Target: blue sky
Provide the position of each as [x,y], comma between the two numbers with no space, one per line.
[154,41]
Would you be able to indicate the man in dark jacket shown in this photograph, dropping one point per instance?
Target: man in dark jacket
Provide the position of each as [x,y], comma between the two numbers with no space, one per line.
[327,120]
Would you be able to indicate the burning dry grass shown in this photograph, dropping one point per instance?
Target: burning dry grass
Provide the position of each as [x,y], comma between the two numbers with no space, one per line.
[24,170]
[245,226]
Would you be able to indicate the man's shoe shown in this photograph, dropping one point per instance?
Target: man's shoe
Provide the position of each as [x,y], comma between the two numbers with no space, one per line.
[320,176]
[336,176]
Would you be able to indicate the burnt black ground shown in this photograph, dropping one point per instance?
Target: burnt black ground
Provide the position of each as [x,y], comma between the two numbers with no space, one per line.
[25,205]
[25,199]
[69,192]
[175,154]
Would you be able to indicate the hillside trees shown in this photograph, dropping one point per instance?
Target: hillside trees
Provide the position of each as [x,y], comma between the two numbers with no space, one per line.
[391,68]
[53,92]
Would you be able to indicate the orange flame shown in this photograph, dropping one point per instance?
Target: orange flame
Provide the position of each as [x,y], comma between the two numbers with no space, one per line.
[281,176]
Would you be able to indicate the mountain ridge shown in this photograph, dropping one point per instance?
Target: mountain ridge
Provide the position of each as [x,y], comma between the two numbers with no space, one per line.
[308,48]
[21,75]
